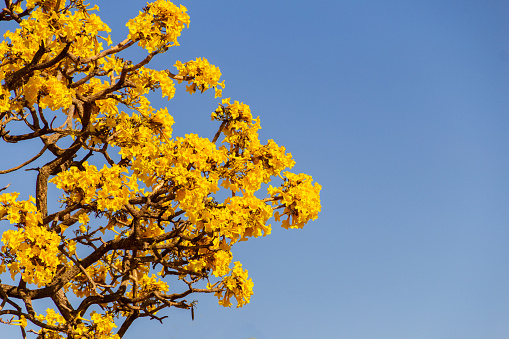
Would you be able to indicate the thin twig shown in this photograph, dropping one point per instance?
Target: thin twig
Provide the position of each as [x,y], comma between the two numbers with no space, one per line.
[25,163]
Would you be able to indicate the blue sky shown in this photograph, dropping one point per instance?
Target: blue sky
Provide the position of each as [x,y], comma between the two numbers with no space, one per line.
[399,110]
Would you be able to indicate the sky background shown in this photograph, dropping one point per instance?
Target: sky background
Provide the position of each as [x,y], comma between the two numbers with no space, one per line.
[399,110]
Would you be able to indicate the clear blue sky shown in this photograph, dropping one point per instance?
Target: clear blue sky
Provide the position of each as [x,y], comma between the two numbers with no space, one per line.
[399,109]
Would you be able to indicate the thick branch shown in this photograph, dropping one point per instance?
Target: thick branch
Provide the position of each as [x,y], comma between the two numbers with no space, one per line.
[13,80]
[127,323]
[8,14]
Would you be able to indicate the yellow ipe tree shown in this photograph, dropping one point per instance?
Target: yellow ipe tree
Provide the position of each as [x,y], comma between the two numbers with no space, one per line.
[158,209]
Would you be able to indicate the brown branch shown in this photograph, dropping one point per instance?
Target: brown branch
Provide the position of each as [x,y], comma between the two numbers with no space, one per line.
[104,299]
[4,296]
[41,190]
[89,76]
[63,305]
[223,124]
[12,80]
[117,48]
[27,136]
[94,285]
[34,320]
[272,199]
[7,14]
[163,300]
[3,189]
[26,162]
[127,323]
[60,215]
[118,85]
[178,77]
[62,162]
[143,62]
[34,116]
[53,61]
[28,302]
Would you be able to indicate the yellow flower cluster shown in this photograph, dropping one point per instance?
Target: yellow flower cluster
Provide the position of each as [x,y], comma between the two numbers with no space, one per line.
[31,250]
[221,263]
[36,252]
[51,317]
[54,93]
[108,187]
[204,76]
[241,217]
[102,325]
[301,199]
[93,86]
[51,30]
[165,83]
[241,130]
[237,285]
[81,26]
[5,103]
[183,162]
[251,163]
[159,25]
[46,4]
[151,229]
[54,28]
[148,284]
[99,326]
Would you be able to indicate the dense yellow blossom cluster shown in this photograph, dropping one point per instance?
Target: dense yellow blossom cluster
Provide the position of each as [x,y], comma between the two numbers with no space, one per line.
[109,187]
[237,285]
[159,25]
[300,198]
[162,210]
[201,74]
[31,250]
[99,326]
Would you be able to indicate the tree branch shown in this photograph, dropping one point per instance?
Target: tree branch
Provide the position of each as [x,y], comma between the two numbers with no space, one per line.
[26,162]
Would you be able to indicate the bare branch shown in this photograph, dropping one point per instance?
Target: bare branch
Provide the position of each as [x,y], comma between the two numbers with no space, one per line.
[3,189]
[127,323]
[26,162]
[218,133]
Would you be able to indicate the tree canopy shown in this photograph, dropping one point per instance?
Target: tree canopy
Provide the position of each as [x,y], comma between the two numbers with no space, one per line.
[140,211]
